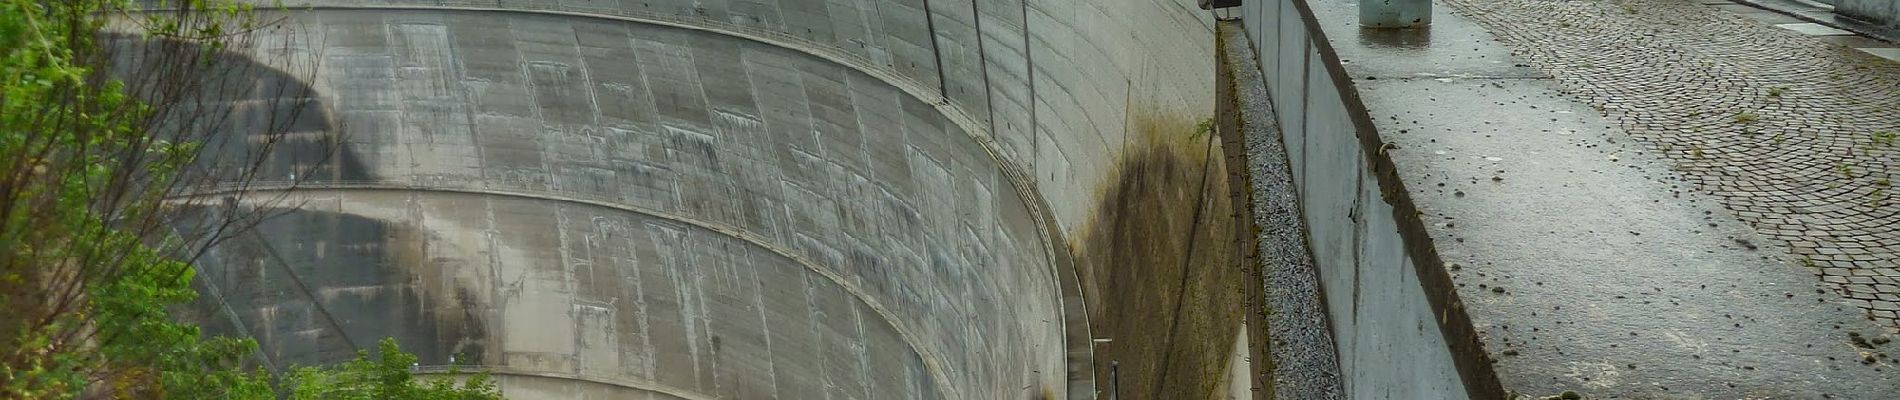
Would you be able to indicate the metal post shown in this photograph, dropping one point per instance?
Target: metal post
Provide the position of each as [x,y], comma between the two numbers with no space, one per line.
[1114,380]
[1395,13]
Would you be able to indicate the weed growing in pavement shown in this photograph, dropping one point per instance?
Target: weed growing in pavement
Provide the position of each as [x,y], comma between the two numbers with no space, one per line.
[1886,138]
[1746,117]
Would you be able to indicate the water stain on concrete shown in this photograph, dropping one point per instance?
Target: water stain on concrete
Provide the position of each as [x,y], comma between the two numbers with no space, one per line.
[1160,267]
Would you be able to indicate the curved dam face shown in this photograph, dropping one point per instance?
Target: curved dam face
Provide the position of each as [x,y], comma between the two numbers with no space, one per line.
[689,200]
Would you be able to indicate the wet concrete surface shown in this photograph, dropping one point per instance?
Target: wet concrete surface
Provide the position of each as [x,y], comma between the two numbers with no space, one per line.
[1792,133]
[1584,261]
[1160,266]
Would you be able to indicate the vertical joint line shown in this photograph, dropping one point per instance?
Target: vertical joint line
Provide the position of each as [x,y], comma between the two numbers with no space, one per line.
[936,49]
[1029,69]
[983,63]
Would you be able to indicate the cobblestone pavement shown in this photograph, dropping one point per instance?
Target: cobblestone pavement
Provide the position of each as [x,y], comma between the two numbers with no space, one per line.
[1796,136]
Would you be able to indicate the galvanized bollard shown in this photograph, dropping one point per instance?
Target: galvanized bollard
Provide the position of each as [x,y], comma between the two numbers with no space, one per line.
[1395,13]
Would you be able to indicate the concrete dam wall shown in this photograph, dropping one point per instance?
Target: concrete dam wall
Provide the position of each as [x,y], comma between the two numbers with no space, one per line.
[739,199]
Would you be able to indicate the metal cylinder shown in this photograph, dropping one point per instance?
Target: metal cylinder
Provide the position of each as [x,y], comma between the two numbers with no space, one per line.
[1395,13]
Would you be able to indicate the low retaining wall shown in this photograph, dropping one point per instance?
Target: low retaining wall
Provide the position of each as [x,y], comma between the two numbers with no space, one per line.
[1301,361]
[1884,12]
[1399,327]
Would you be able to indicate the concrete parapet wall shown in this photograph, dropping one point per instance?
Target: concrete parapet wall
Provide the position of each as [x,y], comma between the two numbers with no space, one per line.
[1886,12]
[1399,330]
[1287,305]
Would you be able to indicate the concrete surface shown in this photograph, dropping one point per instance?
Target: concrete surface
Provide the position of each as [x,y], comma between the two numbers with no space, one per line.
[1787,130]
[1813,29]
[1058,109]
[1878,11]
[1300,360]
[897,219]
[1582,264]
[1810,11]
[1379,311]
[922,163]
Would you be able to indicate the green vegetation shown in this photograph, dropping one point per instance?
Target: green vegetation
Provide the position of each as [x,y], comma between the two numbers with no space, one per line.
[93,253]
[384,377]
[1885,138]
[1777,91]
[1746,117]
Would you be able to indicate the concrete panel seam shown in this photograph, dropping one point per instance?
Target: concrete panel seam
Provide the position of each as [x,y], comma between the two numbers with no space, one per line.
[989,101]
[936,51]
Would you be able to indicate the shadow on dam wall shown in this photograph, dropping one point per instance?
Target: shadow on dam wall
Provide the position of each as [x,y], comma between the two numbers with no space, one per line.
[1160,267]
[305,301]
[311,302]
[258,123]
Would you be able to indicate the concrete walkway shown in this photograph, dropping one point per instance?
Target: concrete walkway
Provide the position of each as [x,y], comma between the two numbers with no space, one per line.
[1794,134]
[1558,165]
